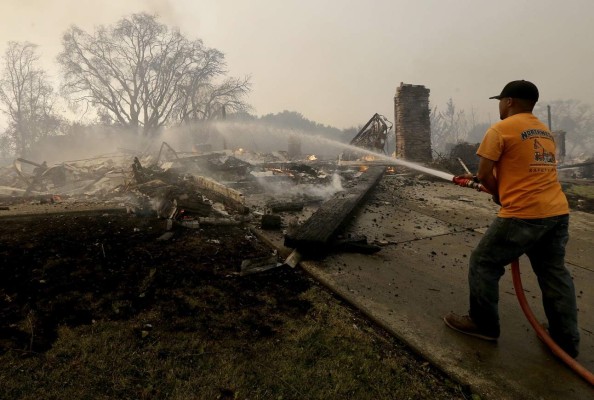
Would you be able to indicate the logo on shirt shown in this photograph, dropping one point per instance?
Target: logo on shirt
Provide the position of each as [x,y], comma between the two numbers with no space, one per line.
[536,133]
[542,155]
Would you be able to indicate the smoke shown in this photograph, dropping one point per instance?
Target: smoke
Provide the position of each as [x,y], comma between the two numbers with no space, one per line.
[325,191]
[87,143]
[98,141]
[165,9]
[266,138]
[43,22]
[289,189]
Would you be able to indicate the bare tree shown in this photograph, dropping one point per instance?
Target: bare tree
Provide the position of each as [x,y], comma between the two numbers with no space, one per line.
[476,129]
[141,74]
[207,101]
[447,127]
[26,97]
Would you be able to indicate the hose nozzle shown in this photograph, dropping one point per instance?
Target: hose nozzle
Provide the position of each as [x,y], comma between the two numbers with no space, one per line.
[470,183]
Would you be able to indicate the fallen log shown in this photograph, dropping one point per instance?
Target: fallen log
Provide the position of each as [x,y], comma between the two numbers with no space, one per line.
[313,237]
[280,206]
[206,221]
[218,221]
[222,193]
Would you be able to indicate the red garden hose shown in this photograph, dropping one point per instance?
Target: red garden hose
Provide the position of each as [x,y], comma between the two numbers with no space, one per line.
[542,332]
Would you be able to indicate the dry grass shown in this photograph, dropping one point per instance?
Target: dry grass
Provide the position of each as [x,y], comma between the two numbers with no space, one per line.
[329,353]
[586,191]
[580,195]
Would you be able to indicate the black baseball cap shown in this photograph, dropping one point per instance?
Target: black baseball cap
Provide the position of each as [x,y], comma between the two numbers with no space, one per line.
[519,90]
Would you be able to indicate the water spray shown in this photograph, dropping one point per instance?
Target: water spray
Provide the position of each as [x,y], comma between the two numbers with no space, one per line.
[232,129]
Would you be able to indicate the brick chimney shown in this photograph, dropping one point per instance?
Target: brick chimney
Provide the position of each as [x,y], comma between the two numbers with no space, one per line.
[412,124]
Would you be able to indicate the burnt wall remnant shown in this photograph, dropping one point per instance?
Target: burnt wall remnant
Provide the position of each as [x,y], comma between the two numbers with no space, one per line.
[559,137]
[412,124]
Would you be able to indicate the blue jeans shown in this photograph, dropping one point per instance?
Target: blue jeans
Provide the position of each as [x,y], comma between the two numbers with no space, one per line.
[543,241]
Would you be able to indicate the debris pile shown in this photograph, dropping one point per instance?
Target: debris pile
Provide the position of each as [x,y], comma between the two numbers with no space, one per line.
[190,190]
[216,188]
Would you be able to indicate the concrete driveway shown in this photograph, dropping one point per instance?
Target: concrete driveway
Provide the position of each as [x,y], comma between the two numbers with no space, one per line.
[427,230]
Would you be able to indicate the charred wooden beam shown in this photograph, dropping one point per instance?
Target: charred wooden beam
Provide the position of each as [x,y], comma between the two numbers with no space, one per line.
[280,206]
[224,194]
[313,237]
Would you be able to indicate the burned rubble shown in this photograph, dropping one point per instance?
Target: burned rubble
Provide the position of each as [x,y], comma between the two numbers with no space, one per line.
[185,189]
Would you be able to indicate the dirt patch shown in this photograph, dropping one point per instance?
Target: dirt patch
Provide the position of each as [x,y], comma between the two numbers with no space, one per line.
[94,305]
[76,269]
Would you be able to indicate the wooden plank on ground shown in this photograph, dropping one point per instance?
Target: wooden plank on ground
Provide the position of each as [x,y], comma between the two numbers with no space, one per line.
[313,236]
[228,196]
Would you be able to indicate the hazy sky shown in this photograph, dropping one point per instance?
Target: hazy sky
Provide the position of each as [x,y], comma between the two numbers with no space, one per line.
[339,62]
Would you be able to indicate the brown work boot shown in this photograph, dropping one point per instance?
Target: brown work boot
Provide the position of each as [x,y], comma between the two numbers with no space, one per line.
[465,324]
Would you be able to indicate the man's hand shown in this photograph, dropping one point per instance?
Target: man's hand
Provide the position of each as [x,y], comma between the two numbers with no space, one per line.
[488,180]
[473,178]
[470,177]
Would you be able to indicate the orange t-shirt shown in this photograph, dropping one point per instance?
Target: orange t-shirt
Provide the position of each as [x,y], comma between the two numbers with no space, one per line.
[525,167]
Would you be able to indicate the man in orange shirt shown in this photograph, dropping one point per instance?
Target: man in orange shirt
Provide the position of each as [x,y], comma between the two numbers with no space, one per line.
[518,167]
